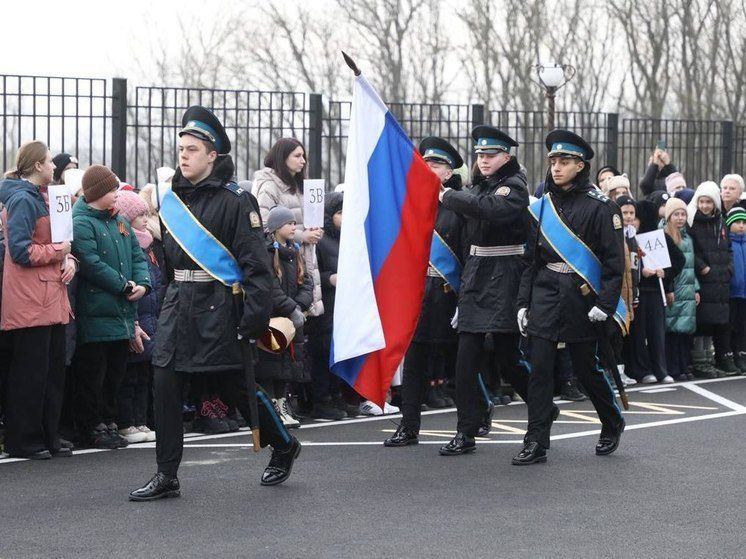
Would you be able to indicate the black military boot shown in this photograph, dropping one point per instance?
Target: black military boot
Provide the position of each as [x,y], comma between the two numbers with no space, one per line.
[460,444]
[281,464]
[403,437]
[486,425]
[162,485]
[532,453]
[608,441]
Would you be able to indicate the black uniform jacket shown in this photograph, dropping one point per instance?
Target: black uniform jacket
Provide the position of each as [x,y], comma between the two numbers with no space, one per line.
[558,311]
[439,304]
[495,210]
[197,325]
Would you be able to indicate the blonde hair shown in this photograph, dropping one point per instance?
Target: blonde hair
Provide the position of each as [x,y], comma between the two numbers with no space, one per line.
[673,232]
[29,154]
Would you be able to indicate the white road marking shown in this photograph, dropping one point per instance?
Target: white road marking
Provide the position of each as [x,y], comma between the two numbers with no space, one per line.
[716,398]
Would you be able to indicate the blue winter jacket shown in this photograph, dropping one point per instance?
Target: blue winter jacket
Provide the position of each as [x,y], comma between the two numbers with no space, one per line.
[738,279]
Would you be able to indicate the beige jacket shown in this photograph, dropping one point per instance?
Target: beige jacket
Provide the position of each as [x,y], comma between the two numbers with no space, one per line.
[270,191]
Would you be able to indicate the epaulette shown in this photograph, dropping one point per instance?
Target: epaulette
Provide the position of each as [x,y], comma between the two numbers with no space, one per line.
[598,195]
[233,187]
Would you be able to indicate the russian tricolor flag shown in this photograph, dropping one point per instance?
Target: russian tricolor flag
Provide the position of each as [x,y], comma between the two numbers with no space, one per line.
[390,203]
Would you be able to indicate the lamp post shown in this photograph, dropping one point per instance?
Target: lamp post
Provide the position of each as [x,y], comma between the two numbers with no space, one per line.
[553,77]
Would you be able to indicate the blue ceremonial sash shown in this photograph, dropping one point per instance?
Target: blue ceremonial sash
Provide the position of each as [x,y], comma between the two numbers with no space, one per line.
[201,246]
[573,251]
[445,262]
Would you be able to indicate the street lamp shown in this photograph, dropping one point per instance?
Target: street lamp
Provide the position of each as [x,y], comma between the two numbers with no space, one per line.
[553,77]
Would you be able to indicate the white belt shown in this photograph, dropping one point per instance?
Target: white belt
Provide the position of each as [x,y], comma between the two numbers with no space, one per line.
[507,250]
[199,276]
[560,267]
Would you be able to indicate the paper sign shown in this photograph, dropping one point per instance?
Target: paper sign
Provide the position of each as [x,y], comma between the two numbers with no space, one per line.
[60,213]
[313,203]
[654,249]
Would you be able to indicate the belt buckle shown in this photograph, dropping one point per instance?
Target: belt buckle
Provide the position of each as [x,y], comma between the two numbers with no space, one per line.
[189,275]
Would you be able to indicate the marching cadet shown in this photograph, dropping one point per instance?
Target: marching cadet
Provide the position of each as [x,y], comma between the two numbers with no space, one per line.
[433,347]
[212,243]
[495,212]
[570,291]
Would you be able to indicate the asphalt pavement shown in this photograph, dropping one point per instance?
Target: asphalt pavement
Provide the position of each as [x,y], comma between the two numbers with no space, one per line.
[675,488]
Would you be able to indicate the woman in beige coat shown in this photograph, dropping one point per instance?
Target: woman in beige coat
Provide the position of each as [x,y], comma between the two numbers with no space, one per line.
[280,183]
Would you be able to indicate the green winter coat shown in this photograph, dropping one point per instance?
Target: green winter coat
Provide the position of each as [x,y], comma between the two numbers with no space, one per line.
[108,260]
[681,317]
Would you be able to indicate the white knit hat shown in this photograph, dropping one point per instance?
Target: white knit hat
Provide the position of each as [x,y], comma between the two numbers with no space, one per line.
[708,189]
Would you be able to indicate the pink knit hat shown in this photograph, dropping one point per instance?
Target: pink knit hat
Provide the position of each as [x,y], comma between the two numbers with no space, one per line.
[130,205]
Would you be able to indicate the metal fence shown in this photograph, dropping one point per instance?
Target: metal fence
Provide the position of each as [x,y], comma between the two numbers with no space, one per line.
[69,114]
[134,129]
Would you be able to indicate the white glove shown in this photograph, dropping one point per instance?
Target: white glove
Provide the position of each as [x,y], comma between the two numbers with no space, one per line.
[297,318]
[523,321]
[442,192]
[454,320]
[597,315]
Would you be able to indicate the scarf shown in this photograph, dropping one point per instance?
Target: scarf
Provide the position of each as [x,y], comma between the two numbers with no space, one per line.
[145,238]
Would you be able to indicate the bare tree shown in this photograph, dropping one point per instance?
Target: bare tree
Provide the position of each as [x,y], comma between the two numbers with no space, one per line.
[731,61]
[645,26]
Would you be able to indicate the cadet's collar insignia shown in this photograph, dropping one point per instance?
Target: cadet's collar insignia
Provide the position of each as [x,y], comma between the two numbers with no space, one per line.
[254,220]
[503,191]
[239,190]
[617,222]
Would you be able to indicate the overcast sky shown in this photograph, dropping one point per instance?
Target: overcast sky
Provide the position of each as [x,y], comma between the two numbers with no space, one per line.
[84,38]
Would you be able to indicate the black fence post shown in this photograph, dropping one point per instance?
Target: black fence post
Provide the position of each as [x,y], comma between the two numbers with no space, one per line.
[726,154]
[316,122]
[119,128]
[477,115]
[612,139]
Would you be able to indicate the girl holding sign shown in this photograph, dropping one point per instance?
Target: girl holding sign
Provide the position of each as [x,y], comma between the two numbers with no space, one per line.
[35,308]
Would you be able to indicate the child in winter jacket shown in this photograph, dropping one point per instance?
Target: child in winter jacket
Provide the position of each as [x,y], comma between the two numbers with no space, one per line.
[133,394]
[292,295]
[736,222]
[681,314]
[113,277]
[712,263]
[649,326]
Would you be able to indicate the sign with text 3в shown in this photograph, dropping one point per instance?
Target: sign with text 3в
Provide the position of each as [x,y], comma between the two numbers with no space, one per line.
[60,213]
[313,203]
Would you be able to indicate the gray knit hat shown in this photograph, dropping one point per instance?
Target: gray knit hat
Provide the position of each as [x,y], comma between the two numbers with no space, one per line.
[278,216]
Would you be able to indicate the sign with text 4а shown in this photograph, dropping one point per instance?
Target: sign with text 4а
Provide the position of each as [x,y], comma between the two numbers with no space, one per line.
[313,203]
[654,250]
[61,213]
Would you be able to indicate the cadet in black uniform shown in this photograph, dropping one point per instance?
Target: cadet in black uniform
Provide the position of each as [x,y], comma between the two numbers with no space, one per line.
[198,324]
[495,211]
[555,304]
[435,341]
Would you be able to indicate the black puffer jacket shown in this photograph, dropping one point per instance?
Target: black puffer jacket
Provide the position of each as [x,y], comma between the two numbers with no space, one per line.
[712,248]
[327,256]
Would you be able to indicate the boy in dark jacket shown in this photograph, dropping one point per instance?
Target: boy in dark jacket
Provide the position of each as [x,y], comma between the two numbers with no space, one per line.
[113,277]
[736,222]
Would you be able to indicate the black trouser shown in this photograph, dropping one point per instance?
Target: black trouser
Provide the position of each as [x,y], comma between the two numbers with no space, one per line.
[541,387]
[422,363]
[738,325]
[133,395]
[470,400]
[678,353]
[324,383]
[649,336]
[100,368]
[168,386]
[35,386]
